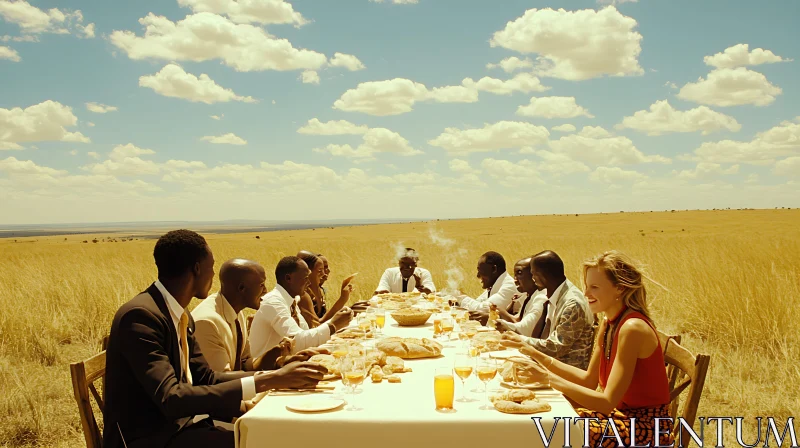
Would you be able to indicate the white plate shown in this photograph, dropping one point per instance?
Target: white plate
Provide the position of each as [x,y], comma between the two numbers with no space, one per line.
[315,404]
[532,386]
[483,329]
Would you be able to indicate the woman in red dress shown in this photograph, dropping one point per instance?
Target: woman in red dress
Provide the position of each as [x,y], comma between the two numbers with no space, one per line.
[627,363]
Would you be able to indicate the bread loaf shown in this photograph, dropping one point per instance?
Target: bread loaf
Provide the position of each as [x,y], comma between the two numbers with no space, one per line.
[410,348]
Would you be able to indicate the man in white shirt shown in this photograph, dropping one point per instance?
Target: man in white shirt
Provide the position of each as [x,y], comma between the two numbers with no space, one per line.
[407,277]
[530,296]
[499,287]
[279,315]
[564,328]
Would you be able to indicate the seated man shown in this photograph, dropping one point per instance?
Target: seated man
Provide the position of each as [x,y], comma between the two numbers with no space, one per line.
[524,321]
[157,379]
[220,327]
[498,285]
[407,277]
[564,328]
[279,315]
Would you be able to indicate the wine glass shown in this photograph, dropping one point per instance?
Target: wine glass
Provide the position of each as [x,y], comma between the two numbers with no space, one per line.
[447,326]
[380,319]
[486,371]
[354,371]
[463,366]
[339,352]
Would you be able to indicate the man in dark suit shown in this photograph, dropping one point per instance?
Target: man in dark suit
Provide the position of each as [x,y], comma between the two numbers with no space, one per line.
[157,379]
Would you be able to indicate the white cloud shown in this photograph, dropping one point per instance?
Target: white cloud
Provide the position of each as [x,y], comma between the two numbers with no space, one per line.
[741,56]
[205,36]
[121,152]
[14,166]
[594,132]
[390,97]
[707,170]
[513,174]
[671,85]
[46,121]
[333,127]
[226,139]
[492,137]
[731,87]
[90,124]
[9,54]
[398,96]
[788,167]
[267,12]
[22,38]
[375,140]
[93,154]
[310,77]
[172,81]
[511,64]
[522,82]
[347,61]
[32,20]
[217,117]
[564,128]
[780,141]
[595,147]
[74,152]
[553,107]
[615,175]
[662,118]
[100,108]
[575,45]
[462,167]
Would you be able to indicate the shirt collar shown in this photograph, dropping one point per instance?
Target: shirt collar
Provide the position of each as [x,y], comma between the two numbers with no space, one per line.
[558,292]
[289,300]
[227,310]
[175,308]
[499,282]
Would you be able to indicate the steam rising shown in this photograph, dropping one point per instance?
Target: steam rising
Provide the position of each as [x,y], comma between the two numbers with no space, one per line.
[454,274]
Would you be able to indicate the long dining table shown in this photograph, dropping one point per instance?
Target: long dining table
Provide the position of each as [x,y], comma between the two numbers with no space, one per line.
[395,415]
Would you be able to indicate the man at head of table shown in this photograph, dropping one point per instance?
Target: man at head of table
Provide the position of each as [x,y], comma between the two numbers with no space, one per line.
[279,314]
[406,277]
[157,379]
[499,287]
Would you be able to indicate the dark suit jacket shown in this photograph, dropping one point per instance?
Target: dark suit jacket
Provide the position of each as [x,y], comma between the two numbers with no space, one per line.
[145,400]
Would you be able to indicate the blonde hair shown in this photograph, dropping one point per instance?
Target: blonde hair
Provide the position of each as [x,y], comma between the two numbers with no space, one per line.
[623,272]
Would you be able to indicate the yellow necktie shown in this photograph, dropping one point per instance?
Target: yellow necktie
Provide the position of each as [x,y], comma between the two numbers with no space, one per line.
[183,327]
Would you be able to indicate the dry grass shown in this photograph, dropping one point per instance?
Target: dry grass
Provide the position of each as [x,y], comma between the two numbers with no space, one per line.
[732,278]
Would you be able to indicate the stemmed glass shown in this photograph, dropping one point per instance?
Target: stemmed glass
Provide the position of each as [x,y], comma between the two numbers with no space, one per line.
[447,326]
[380,319]
[354,370]
[463,366]
[486,371]
[339,352]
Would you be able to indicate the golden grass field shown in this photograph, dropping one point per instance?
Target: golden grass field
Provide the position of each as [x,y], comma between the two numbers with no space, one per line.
[733,280]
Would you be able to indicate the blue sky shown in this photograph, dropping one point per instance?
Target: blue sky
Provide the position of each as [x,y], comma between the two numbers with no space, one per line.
[387,144]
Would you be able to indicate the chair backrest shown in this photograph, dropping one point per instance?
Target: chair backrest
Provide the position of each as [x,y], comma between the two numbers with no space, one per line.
[84,374]
[688,372]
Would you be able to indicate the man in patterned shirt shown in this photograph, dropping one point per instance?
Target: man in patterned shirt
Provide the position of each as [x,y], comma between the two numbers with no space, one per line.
[565,326]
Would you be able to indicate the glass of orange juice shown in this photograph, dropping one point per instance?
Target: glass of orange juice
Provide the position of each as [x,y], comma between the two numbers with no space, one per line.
[354,370]
[380,318]
[437,325]
[463,367]
[444,389]
[486,371]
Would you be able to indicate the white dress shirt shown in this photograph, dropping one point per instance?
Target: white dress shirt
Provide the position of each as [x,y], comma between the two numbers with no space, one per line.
[176,311]
[501,294]
[392,280]
[530,315]
[273,321]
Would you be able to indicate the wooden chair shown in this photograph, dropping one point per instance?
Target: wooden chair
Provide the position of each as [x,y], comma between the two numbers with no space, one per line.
[689,372]
[84,375]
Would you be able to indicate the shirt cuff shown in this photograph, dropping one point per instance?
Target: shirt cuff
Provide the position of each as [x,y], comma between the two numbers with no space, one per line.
[248,388]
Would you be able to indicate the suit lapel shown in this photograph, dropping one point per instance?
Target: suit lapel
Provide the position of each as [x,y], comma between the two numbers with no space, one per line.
[173,350]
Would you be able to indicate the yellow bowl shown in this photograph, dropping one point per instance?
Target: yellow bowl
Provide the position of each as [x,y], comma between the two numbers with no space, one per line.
[414,319]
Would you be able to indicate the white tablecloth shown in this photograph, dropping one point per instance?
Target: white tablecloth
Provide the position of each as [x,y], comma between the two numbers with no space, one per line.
[403,414]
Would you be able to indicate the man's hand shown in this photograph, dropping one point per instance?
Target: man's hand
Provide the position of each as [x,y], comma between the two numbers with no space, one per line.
[503,326]
[359,307]
[480,316]
[297,375]
[302,355]
[512,340]
[420,288]
[342,318]
[269,360]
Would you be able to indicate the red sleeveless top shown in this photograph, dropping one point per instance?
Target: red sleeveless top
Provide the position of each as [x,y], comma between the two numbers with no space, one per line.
[649,386]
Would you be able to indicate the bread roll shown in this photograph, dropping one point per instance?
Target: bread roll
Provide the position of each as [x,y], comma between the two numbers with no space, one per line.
[526,407]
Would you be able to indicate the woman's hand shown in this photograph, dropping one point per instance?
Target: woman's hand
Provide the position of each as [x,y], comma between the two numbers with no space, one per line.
[531,369]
